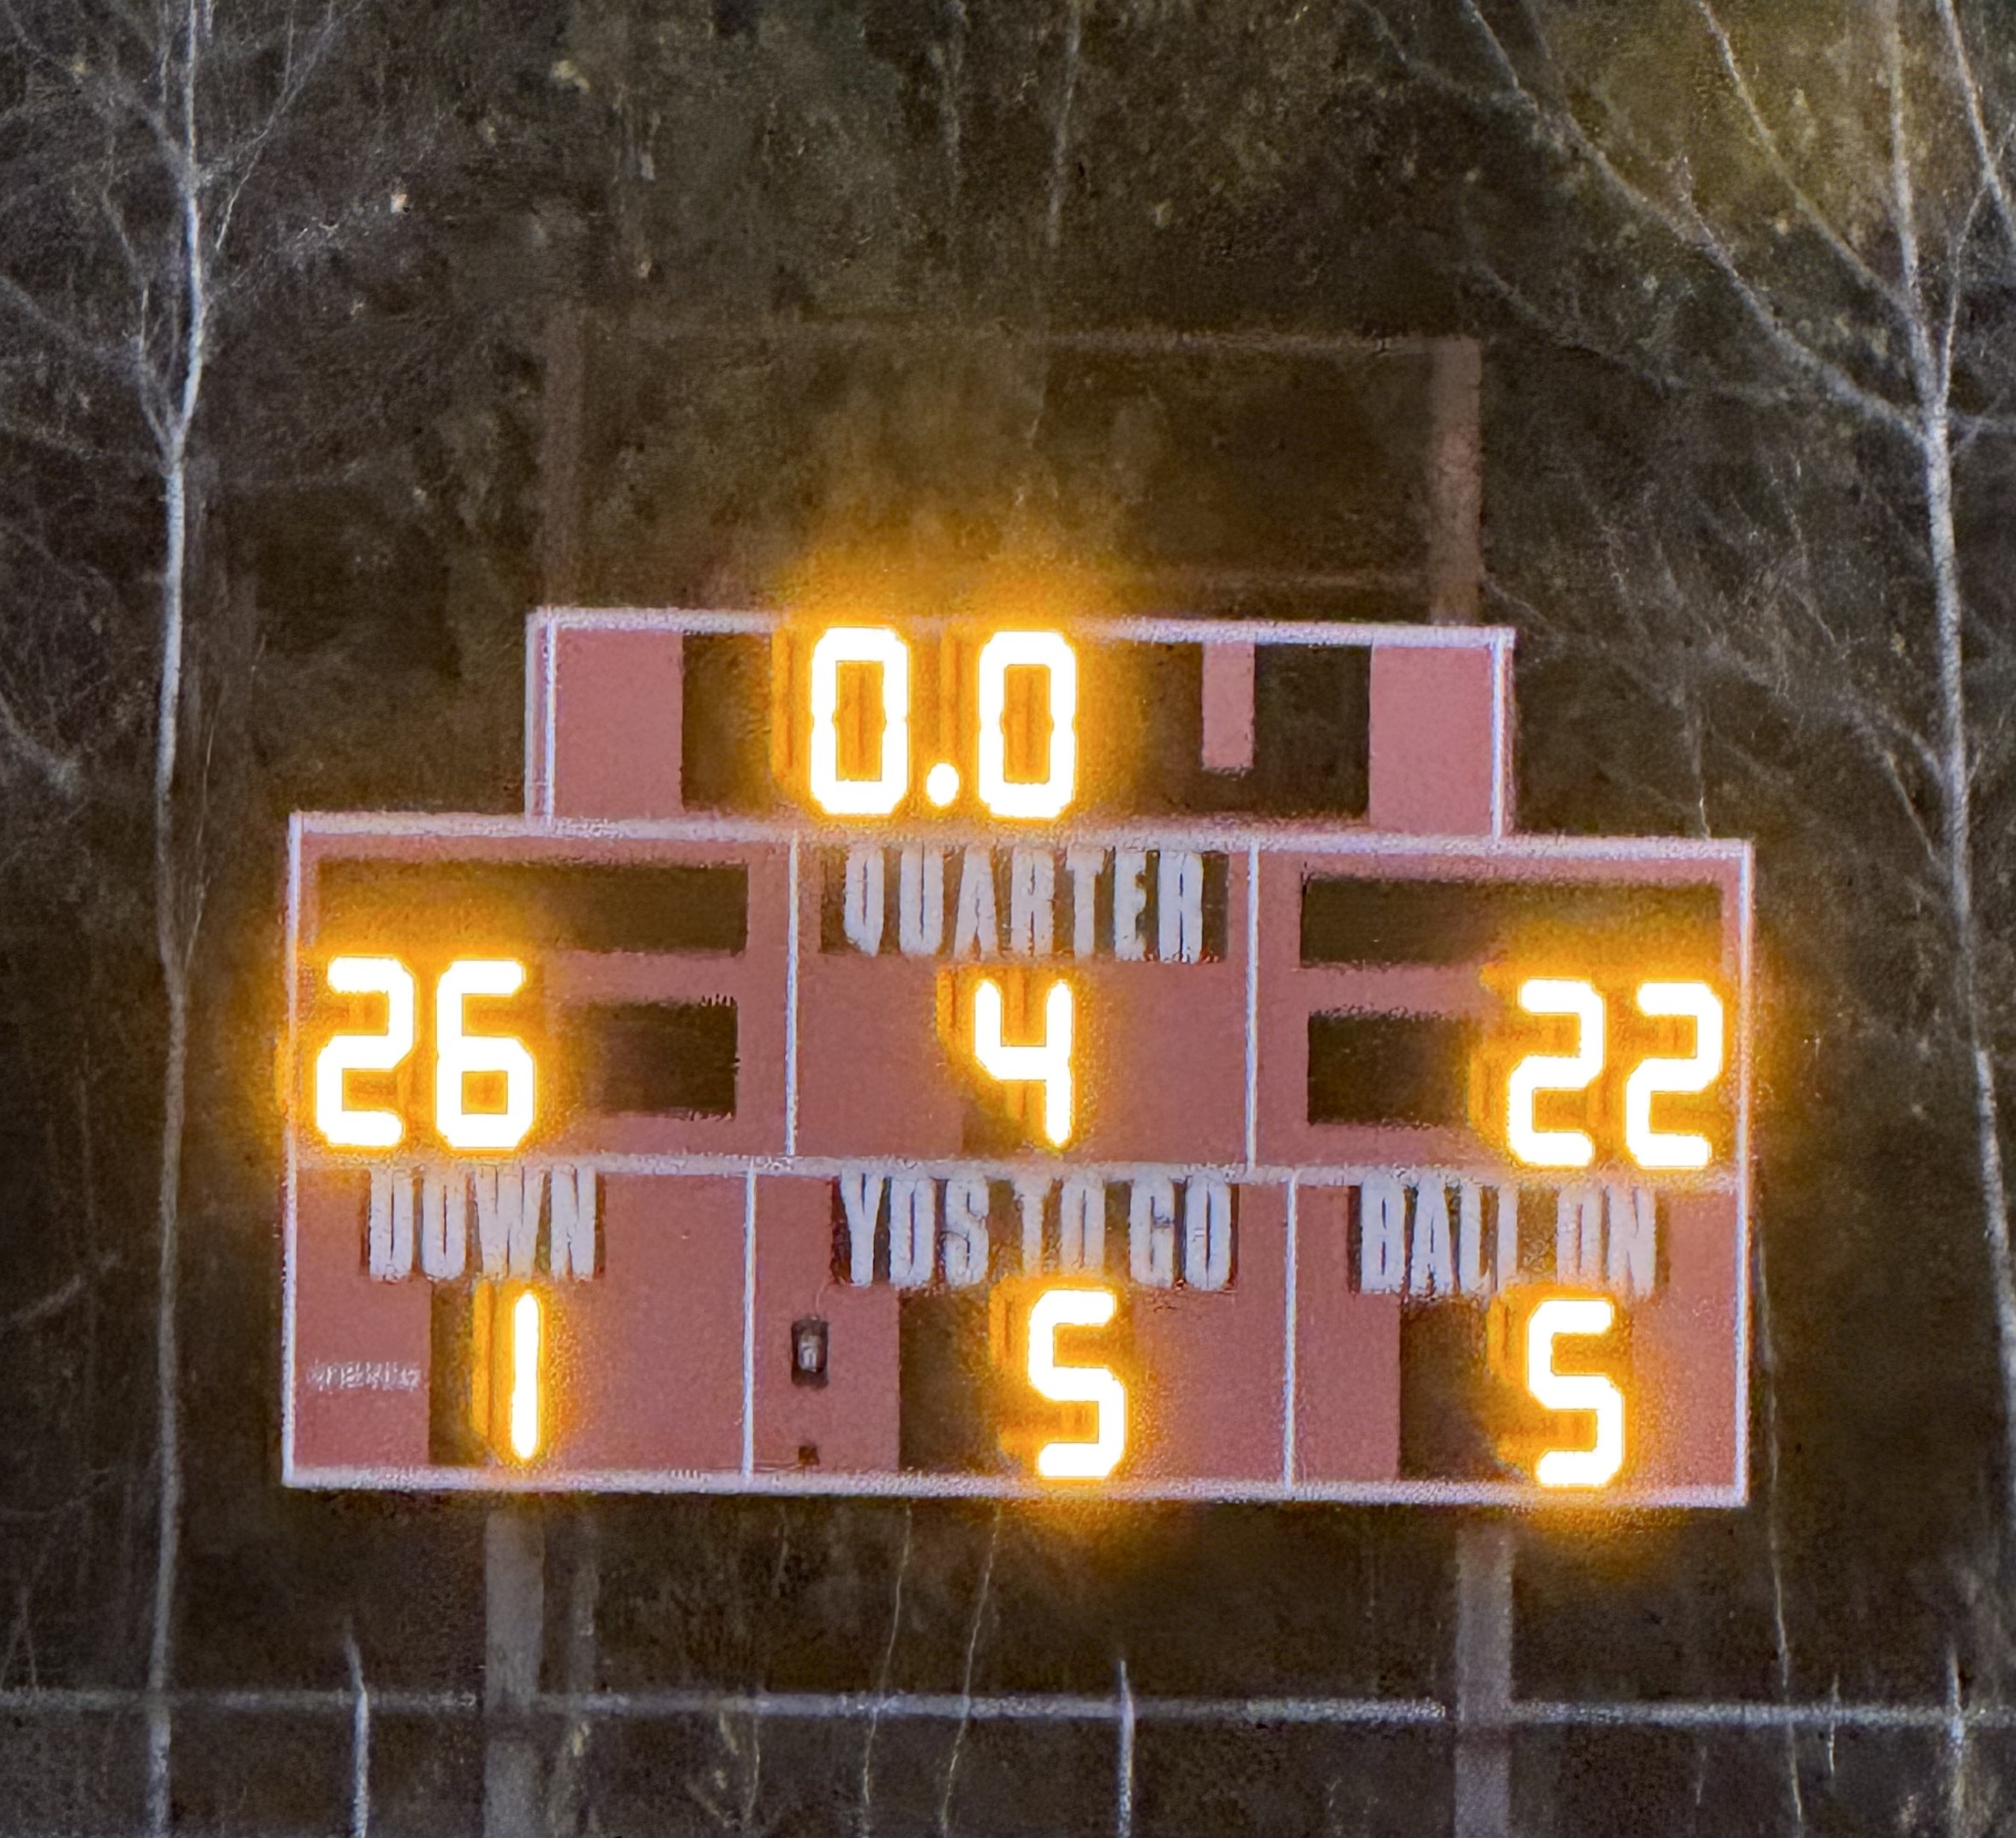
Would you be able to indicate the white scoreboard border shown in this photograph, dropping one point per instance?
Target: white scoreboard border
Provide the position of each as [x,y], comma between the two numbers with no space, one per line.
[542,676]
[1247,838]
[1250,840]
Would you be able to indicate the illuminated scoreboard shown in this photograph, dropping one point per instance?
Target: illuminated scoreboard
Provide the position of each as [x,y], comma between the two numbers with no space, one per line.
[1132,1058]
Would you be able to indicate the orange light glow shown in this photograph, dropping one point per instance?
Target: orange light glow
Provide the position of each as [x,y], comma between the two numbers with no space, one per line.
[341,1127]
[1555,1072]
[525,1338]
[879,646]
[460,1055]
[1574,1315]
[1050,797]
[1098,1386]
[1047,1063]
[1658,1148]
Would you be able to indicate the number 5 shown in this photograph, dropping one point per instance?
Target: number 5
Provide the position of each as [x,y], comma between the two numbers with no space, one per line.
[1574,1315]
[1076,1384]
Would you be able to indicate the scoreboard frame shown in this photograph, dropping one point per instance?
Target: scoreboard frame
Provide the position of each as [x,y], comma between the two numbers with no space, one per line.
[1396,833]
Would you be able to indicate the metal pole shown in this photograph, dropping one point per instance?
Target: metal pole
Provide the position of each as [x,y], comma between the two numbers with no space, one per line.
[1123,1816]
[1455,481]
[1483,1680]
[514,1626]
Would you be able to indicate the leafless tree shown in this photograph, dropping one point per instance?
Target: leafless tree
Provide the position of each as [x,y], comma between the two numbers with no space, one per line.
[144,127]
[1808,209]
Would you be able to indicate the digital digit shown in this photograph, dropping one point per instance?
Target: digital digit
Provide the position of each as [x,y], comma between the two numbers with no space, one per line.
[855,797]
[1047,1063]
[1077,1384]
[1040,650]
[1555,1072]
[1658,1148]
[380,1052]
[525,1336]
[1574,1315]
[460,1055]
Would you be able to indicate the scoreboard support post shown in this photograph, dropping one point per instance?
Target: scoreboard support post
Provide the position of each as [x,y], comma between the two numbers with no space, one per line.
[753,1171]
[514,1623]
[1483,1679]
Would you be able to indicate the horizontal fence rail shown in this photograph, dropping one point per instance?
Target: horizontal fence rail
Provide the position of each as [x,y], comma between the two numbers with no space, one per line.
[1955,1720]
[1060,1706]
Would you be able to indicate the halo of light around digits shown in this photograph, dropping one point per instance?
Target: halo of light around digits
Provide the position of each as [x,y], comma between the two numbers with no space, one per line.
[776,1085]
[1003,791]
[880,647]
[1555,1318]
[1070,1383]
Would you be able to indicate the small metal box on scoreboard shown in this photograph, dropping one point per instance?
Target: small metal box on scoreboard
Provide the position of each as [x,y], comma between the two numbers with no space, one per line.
[1129,1058]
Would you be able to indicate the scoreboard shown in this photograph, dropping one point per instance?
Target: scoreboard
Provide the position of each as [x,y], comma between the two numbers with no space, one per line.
[1123,1058]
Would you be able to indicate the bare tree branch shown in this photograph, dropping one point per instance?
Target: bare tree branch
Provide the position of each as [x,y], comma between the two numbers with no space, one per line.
[1990,156]
[1802,202]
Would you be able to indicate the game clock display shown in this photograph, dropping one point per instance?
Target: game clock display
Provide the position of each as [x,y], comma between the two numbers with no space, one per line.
[1004,1057]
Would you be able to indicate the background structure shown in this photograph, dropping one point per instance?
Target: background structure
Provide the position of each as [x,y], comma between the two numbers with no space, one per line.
[330,343]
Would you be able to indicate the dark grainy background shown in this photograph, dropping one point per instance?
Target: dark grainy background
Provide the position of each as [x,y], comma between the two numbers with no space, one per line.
[823,268]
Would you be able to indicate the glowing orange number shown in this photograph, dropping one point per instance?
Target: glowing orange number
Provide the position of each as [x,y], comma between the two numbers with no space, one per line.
[1554,1072]
[1048,652]
[1563,1316]
[1656,1076]
[878,646]
[524,1376]
[1047,1063]
[1077,1384]
[1658,1148]
[458,1056]
[380,1052]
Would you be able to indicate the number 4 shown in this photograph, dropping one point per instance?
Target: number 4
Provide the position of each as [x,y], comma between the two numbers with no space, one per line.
[1047,1063]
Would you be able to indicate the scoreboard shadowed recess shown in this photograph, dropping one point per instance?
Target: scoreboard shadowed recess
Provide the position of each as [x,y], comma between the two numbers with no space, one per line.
[1135,1058]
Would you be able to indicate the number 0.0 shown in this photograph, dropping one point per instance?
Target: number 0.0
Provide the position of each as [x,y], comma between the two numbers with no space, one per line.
[879,792]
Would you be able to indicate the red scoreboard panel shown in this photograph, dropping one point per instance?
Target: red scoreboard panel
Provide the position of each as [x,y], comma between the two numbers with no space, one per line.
[1135,1059]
